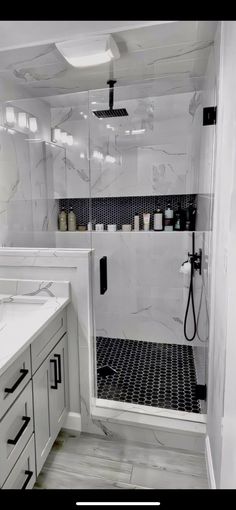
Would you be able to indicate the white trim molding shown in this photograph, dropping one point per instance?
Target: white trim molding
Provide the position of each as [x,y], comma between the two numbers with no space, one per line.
[209,464]
[73,422]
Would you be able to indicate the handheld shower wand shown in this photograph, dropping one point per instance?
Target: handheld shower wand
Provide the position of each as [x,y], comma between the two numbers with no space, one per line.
[195,260]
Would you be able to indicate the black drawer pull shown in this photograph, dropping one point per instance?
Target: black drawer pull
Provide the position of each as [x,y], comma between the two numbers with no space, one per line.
[24,373]
[29,476]
[58,356]
[54,386]
[26,419]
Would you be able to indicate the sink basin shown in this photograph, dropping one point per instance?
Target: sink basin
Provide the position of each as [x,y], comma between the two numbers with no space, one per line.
[18,306]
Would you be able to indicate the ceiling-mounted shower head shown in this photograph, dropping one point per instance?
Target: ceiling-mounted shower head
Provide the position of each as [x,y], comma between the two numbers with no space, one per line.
[118,112]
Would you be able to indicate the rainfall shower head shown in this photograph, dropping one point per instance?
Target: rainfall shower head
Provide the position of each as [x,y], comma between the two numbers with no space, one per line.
[118,112]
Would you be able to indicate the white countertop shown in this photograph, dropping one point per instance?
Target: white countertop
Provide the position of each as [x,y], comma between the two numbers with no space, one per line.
[20,323]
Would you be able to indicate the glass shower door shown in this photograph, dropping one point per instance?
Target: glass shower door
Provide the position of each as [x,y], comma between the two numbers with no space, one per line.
[139,163]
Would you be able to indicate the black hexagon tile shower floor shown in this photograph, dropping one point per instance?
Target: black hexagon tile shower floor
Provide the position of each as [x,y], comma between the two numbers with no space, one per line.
[146,373]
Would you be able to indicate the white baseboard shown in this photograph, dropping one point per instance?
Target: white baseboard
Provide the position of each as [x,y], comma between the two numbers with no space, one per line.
[209,463]
[73,422]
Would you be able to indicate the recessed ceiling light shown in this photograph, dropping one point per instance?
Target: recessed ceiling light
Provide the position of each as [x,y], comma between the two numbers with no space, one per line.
[89,52]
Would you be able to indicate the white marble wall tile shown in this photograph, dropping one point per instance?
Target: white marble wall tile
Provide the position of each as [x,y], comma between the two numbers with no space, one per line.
[146,298]
[163,169]
[38,169]
[77,169]
[19,216]
[15,168]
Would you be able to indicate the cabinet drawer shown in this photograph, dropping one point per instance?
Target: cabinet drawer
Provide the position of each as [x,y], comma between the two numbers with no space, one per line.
[15,430]
[23,474]
[45,342]
[14,380]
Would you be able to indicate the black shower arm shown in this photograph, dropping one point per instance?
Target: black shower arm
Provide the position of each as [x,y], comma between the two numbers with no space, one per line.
[111,84]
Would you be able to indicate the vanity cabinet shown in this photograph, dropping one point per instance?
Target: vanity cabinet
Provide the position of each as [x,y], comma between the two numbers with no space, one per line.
[34,402]
[50,390]
[15,430]
[23,475]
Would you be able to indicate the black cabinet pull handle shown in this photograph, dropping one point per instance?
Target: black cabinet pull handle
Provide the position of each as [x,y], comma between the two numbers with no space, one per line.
[29,476]
[54,386]
[24,373]
[26,420]
[103,275]
[58,356]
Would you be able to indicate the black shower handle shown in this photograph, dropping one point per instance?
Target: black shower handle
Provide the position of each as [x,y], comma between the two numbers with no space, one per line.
[103,275]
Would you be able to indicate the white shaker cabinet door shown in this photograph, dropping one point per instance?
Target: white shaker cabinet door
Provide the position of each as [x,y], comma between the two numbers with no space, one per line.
[50,384]
[43,432]
[59,386]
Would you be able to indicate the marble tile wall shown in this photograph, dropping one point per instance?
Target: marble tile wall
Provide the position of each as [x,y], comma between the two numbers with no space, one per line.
[146,297]
[162,160]
[26,193]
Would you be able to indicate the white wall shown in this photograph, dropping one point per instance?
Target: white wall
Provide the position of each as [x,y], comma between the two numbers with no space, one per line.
[221,424]
[26,175]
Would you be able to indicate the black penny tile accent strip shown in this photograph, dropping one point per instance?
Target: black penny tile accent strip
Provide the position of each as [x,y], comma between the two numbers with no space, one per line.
[121,210]
[146,373]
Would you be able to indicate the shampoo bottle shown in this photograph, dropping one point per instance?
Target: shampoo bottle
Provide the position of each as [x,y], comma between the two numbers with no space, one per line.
[169,213]
[63,220]
[136,222]
[146,221]
[158,220]
[178,218]
[71,220]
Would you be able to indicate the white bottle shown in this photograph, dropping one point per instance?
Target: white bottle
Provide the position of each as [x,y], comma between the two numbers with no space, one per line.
[63,220]
[169,214]
[146,221]
[136,222]
[71,220]
[158,220]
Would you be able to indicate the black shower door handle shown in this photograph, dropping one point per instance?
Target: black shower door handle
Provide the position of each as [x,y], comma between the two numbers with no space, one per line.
[103,275]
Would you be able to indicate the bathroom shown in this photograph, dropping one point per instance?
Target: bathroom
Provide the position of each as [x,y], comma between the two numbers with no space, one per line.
[115,210]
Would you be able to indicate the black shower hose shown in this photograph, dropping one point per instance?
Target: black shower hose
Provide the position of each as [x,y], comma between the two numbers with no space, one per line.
[190,298]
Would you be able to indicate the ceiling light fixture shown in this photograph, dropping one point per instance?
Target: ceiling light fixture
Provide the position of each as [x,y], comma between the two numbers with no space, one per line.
[10,115]
[22,120]
[33,126]
[89,52]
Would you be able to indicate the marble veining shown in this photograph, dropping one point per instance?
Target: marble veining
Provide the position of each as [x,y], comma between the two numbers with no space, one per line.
[12,344]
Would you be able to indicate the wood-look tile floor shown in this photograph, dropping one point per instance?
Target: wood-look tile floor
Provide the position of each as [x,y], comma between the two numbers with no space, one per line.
[91,462]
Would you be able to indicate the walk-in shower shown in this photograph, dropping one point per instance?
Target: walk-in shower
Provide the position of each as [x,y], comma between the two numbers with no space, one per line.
[142,301]
[133,151]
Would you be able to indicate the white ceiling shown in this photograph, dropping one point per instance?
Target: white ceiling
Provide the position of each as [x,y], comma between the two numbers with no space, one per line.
[18,34]
[175,54]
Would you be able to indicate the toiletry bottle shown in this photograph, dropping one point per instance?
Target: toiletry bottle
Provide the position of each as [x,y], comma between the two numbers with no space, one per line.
[136,222]
[169,213]
[146,221]
[190,217]
[63,220]
[178,218]
[158,220]
[71,220]
[192,214]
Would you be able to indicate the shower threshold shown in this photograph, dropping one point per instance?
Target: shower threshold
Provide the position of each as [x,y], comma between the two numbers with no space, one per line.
[157,378]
